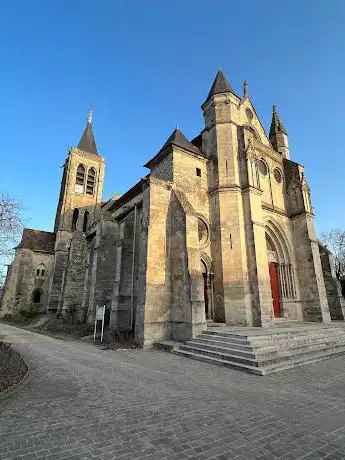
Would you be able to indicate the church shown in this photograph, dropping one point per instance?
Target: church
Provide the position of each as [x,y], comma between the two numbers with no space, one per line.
[220,229]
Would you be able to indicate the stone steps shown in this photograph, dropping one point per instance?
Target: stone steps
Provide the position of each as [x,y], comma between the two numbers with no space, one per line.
[255,360]
[276,340]
[254,345]
[265,351]
[261,370]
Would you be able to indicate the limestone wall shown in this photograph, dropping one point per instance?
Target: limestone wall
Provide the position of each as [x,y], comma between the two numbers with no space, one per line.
[61,257]
[74,277]
[164,169]
[157,313]
[335,299]
[233,302]
[186,180]
[313,292]
[106,262]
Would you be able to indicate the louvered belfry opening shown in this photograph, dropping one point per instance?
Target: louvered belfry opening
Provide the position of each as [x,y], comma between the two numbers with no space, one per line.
[80,179]
[91,179]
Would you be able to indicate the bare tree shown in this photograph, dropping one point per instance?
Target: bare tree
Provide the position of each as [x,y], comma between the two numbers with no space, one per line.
[11,225]
[334,240]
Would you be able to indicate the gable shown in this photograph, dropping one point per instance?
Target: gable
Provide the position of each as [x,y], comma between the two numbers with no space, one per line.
[249,118]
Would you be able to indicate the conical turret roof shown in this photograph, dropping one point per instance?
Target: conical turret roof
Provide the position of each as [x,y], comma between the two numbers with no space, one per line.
[220,85]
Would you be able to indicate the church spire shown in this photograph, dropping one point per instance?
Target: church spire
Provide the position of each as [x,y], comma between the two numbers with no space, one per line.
[276,124]
[278,134]
[87,142]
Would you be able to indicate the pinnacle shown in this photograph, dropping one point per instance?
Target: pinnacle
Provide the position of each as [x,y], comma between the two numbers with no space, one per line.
[276,124]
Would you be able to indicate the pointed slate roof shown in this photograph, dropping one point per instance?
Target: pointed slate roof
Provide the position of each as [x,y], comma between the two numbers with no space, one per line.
[276,124]
[220,85]
[177,139]
[87,142]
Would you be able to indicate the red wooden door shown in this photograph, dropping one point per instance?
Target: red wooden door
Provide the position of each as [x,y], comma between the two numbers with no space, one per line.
[275,288]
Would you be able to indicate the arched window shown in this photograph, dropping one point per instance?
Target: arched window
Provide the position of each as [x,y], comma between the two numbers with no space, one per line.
[75,219]
[80,179]
[263,167]
[41,271]
[36,296]
[253,131]
[85,220]
[91,179]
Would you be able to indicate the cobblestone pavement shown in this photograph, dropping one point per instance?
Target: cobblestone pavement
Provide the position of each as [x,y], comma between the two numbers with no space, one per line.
[84,402]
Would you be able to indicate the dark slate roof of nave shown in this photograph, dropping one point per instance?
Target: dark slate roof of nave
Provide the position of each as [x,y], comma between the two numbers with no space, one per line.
[127,196]
[37,240]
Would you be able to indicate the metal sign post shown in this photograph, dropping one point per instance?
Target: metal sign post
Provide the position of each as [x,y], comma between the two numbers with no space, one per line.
[100,313]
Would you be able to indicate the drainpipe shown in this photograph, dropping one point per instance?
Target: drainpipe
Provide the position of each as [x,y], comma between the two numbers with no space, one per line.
[133,266]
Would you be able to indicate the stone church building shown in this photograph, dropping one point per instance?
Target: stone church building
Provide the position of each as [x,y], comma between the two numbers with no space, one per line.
[221,228]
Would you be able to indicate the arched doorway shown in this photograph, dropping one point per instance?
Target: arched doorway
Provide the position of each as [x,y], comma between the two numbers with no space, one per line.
[280,270]
[37,296]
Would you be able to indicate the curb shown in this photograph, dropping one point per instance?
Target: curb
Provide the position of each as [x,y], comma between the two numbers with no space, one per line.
[17,386]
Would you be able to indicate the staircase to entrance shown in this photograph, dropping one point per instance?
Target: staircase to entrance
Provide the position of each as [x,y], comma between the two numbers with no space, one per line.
[264,351]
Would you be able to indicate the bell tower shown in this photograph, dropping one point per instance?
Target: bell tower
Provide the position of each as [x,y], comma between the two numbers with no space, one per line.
[78,207]
[81,185]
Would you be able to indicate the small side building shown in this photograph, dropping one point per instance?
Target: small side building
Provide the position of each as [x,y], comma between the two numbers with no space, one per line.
[28,277]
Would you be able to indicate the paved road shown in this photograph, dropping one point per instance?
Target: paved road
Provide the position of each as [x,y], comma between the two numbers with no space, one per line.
[84,402]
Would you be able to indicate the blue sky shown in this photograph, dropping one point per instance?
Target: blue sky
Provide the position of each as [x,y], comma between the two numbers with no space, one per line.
[146,66]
